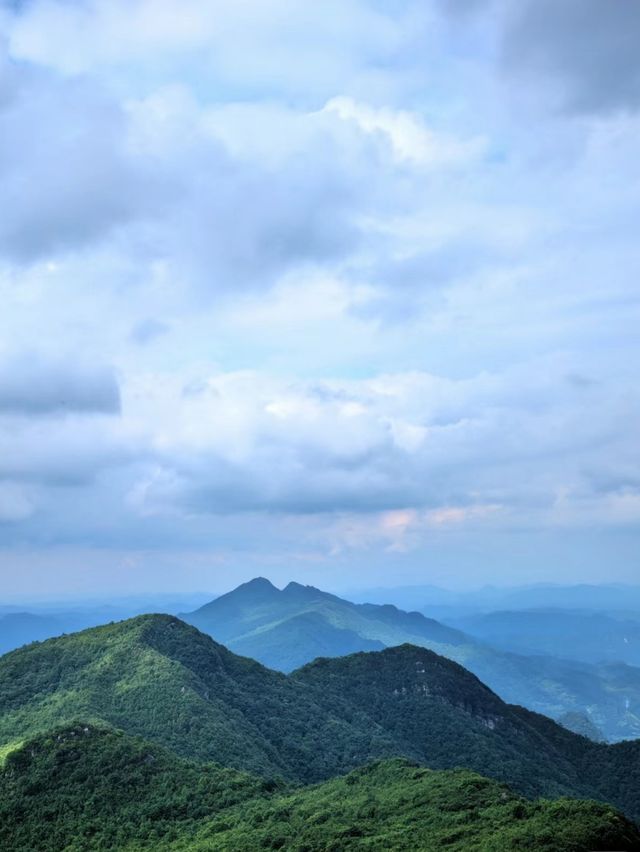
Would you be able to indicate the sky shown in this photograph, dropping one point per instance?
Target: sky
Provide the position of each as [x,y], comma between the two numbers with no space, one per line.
[341,292]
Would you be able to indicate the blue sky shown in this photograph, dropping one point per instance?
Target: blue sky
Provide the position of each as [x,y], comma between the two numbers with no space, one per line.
[341,292]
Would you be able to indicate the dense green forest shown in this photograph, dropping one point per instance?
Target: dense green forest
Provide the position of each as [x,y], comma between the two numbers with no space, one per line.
[158,678]
[83,787]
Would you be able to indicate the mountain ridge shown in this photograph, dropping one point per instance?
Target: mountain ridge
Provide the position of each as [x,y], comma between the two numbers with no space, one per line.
[157,677]
[258,620]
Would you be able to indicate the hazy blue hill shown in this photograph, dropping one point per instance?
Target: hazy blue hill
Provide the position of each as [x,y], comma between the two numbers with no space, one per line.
[81,788]
[588,636]
[258,606]
[21,628]
[286,628]
[581,724]
[158,678]
[586,596]
[295,640]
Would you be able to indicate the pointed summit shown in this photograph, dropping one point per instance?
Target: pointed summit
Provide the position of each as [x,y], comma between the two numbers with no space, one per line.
[220,617]
[257,584]
[250,592]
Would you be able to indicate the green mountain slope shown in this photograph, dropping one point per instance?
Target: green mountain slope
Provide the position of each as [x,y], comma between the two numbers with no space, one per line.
[396,806]
[82,788]
[301,637]
[286,628]
[156,677]
[244,618]
[427,702]
[85,787]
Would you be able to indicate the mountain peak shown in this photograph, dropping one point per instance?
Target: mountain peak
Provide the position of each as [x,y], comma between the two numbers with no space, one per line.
[258,583]
[248,593]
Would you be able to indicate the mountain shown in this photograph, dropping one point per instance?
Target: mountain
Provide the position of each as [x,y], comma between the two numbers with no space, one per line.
[581,724]
[82,787]
[591,637]
[19,628]
[158,678]
[304,637]
[286,628]
[395,806]
[245,618]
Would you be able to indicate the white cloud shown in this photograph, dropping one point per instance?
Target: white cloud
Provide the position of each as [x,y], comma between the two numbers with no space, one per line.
[409,139]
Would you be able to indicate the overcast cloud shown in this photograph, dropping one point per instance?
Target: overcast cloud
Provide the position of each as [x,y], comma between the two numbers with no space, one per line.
[341,292]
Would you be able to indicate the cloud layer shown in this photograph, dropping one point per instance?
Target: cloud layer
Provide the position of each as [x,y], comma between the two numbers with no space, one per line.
[319,286]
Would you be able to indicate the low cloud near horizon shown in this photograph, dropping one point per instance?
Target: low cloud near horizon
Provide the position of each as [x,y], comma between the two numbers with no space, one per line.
[345,293]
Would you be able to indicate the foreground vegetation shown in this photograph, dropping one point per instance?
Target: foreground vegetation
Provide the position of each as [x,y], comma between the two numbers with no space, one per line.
[82,788]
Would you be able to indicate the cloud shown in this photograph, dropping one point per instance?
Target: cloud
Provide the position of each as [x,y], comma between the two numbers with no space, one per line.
[15,504]
[409,139]
[65,176]
[586,47]
[455,451]
[577,56]
[31,386]
[363,274]
[252,45]
[148,330]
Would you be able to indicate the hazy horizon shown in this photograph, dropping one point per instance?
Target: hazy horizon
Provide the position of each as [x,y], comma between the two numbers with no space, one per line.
[345,293]
[200,596]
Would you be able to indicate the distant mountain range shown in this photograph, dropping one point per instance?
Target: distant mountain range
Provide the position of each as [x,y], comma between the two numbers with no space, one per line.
[21,625]
[565,664]
[581,596]
[287,628]
[593,637]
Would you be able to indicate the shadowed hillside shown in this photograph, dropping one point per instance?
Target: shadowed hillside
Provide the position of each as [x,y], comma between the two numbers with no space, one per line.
[287,628]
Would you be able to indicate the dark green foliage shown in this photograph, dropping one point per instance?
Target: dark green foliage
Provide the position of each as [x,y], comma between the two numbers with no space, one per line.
[156,677]
[82,788]
[396,806]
